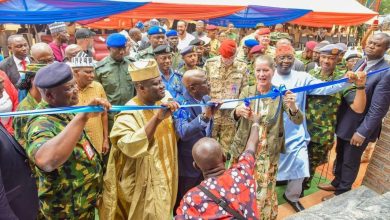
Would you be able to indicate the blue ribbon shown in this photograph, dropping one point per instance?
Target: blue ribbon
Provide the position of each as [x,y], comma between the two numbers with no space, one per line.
[116,108]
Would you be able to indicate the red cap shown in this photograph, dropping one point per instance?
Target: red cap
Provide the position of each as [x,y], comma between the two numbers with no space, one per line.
[311,44]
[257,49]
[264,31]
[211,27]
[227,48]
[284,50]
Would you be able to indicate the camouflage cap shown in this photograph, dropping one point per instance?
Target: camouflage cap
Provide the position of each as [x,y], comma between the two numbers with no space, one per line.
[33,67]
[275,36]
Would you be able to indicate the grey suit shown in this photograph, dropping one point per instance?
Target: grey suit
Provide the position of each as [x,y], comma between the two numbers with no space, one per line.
[8,65]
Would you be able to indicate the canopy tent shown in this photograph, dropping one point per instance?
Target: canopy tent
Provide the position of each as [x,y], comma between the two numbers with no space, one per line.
[252,15]
[49,11]
[317,13]
[326,13]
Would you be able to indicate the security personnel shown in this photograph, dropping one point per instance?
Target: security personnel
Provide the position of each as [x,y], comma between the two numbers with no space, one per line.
[172,79]
[248,45]
[190,58]
[112,73]
[227,76]
[212,32]
[321,111]
[173,41]
[156,35]
[199,47]
[69,170]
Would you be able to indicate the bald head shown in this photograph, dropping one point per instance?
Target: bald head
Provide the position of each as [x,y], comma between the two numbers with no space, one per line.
[196,83]
[208,154]
[71,51]
[42,53]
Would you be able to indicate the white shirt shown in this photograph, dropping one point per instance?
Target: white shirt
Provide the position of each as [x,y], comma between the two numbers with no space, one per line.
[185,42]
[18,64]
[5,106]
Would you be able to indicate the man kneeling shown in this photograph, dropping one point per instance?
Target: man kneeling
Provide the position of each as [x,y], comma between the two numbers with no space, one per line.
[224,194]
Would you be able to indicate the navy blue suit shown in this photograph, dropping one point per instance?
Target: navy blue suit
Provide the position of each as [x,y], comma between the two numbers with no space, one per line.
[368,124]
[18,191]
[190,130]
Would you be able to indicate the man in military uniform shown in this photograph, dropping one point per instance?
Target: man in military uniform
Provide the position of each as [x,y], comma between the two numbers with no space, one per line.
[322,110]
[198,44]
[112,73]
[172,79]
[227,76]
[244,52]
[190,58]
[212,32]
[315,60]
[263,36]
[341,63]
[69,170]
[156,37]
[307,53]
[173,41]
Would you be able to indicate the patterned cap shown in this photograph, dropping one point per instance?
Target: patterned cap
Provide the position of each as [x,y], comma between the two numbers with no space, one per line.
[143,70]
[33,67]
[259,25]
[57,27]
[162,49]
[82,60]
[275,36]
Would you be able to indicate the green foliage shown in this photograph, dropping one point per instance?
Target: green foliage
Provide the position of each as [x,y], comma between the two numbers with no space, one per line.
[385,7]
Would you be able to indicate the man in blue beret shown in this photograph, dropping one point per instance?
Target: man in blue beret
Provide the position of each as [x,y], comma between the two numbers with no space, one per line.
[190,58]
[156,35]
[171,78]
[244,52]
[173,41]
[112,73]
[66,164]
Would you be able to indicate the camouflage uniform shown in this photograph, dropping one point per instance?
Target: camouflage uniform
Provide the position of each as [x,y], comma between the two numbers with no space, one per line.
[341,67]
[19,123]
[116,81]
[321,114]
[214,45]
[72,190]
[184,69]
[304,61]
[176,59]
[225,83]
[272,143]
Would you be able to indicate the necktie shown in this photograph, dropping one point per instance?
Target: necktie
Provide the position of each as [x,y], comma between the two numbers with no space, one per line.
[23,63]
[363,66]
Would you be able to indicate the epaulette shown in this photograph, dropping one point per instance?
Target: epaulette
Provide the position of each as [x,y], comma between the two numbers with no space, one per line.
[101,63]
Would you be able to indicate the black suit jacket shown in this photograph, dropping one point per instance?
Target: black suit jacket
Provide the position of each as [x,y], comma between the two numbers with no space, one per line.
[18,190]
[8,65]
[369,122]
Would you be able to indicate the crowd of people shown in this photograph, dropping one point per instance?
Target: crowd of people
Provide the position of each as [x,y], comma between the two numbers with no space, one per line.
[205,160]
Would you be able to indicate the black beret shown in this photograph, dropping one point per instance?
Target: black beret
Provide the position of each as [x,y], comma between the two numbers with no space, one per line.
[197,42]
[53,75]
[162,49]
